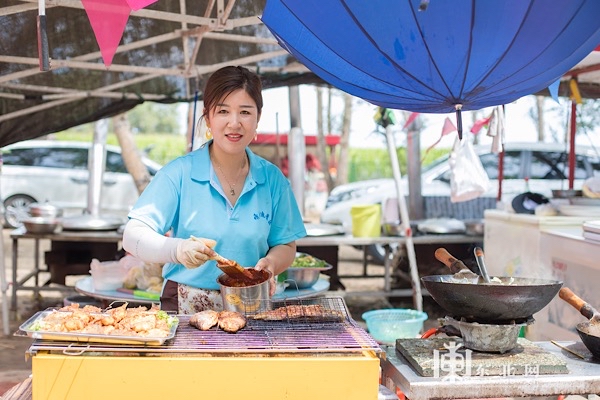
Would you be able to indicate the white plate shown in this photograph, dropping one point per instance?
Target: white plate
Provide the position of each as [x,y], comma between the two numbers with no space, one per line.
[579,211]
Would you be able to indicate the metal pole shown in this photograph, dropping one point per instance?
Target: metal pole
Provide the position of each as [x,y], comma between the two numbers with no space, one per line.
[410,246]
[297,164]
[97,162]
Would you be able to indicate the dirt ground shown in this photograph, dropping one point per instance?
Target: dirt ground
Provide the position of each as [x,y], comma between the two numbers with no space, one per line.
[15,366]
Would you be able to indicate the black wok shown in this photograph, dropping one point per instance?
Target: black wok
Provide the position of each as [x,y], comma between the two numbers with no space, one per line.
[510,299]
[589,331]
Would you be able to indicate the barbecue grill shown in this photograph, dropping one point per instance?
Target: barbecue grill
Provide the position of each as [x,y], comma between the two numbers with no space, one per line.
[292,359]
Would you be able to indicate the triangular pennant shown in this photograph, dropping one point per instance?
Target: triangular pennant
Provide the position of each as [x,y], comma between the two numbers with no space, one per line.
[553,89]
[139,4]
[448,127]
[410,120]
[480,123]
[108,19]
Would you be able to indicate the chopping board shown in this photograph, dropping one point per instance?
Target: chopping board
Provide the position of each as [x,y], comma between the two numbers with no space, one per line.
[438,357]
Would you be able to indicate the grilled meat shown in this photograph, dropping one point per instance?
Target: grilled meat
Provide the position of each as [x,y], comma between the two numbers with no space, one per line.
[204,320]
[231,321]
[313,312]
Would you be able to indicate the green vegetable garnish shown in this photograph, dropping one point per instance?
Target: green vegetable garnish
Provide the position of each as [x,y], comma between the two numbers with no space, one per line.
[308,261]
[171,320]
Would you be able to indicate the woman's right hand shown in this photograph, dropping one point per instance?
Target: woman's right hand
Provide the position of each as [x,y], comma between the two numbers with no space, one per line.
[194,252]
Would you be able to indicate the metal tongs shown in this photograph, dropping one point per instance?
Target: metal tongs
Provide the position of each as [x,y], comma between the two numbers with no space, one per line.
[457,267]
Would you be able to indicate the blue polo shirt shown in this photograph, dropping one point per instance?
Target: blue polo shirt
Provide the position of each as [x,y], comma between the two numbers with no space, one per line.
[185,195]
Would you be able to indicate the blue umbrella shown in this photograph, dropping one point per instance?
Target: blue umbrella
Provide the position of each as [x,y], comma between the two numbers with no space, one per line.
[437,56]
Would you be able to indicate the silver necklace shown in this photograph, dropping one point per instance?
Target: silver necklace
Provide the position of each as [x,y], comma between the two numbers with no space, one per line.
[231,187]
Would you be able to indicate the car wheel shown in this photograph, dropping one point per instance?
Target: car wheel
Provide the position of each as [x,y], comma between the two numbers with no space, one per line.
[16,209]
[377,252]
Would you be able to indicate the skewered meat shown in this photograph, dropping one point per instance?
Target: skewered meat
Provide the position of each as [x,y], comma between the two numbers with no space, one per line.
[313,311]
[204,320]
[231,321]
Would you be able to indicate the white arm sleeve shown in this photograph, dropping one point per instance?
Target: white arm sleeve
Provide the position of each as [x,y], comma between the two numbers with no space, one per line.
[149,246]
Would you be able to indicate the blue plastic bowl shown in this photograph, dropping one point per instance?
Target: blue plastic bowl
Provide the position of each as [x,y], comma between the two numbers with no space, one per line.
[387,325]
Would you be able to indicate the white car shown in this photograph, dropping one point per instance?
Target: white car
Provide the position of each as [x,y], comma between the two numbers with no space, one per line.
[534,167]
[36,171]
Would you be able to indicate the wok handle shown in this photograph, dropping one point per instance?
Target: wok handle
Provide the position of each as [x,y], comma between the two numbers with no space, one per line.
[579,304]
[454,264]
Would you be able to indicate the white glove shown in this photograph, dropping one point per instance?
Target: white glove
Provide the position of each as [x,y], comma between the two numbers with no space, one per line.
[194,252]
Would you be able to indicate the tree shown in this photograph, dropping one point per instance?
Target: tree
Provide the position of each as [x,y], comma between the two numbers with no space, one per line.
[131,156]
[151,117]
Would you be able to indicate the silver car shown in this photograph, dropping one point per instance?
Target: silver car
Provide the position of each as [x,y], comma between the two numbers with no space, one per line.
[535,167]
[57,171]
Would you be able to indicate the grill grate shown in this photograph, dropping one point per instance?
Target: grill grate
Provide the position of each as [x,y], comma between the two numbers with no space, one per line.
[302,335]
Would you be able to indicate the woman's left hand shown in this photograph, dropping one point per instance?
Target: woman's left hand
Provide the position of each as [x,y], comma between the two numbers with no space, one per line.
[265,264]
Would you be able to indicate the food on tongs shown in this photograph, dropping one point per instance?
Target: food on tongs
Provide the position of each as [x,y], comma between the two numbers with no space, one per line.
[229,321]
[230,267]
[291,312]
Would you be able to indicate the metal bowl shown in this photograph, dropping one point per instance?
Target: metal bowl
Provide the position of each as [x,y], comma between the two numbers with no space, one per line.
[303,278]
[41,224]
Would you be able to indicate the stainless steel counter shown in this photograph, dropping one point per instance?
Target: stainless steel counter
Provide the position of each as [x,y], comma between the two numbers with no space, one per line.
[88,243]
[583,378]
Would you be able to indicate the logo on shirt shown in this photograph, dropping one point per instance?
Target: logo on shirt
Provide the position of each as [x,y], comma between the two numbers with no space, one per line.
[264,216]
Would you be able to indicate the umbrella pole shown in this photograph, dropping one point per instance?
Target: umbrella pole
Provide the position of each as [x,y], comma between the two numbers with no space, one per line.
[410,247]
[572,132]
[43,54]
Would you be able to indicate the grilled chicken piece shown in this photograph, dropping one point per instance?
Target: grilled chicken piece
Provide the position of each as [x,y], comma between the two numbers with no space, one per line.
[204,320]
[231,321]
[313,311]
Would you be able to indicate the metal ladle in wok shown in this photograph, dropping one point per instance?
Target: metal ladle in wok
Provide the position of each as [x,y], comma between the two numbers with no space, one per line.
[503,299]
[589,331]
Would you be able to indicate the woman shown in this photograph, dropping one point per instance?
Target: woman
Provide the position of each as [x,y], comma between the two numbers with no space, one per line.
[221,191]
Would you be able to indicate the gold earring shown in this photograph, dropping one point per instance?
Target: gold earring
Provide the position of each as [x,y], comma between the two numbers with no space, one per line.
[208,134]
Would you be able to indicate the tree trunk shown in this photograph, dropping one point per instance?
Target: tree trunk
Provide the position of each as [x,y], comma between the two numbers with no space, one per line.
[342,172]
[539,102]
[131,155]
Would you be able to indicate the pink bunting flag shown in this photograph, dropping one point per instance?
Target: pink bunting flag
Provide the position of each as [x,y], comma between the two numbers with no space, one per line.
[108,19]
[480,123]
[139,4]
[410,120]
[448,127]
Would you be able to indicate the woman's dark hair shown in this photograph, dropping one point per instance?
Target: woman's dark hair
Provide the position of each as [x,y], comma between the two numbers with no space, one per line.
[226,80]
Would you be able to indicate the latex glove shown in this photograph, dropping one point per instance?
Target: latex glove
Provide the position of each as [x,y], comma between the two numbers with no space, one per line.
[264,264]
[194,252]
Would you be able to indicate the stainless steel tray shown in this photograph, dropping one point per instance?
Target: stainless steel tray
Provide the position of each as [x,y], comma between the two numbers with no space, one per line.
[27,327]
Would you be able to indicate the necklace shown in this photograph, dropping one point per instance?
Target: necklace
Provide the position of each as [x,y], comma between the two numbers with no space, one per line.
[231,186]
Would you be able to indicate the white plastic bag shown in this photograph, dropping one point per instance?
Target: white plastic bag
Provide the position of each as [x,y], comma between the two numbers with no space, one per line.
[468,179]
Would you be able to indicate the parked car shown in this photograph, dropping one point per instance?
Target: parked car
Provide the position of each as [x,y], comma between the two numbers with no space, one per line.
[535,167]
[36,171]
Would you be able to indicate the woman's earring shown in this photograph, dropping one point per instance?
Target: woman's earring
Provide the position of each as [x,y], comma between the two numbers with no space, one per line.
[208,134]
